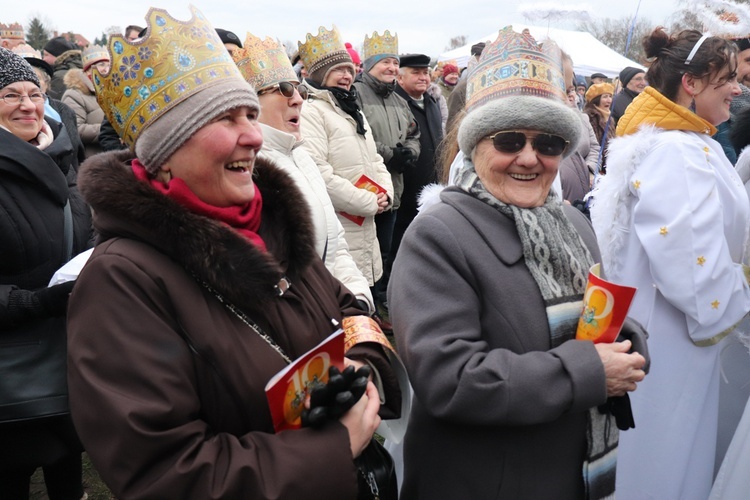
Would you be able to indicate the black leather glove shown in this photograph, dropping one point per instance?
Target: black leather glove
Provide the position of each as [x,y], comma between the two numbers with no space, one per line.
[619,407]
[54,300]
[402,159]
[330,401]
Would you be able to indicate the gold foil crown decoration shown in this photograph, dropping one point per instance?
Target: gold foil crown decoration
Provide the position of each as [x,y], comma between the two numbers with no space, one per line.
[376,45]
[94,53]
[25,50]
[13,31]
[327,47]
[174,60]
[515,65]
[263,62]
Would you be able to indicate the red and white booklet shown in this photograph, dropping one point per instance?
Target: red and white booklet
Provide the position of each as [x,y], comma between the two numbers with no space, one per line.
[364,182]
[287,390]
[605,306]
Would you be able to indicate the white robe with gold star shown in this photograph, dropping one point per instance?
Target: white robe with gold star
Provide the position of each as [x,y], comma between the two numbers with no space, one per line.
[671,216]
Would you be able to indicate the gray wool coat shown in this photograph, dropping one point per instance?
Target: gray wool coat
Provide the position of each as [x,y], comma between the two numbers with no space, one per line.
[497,413]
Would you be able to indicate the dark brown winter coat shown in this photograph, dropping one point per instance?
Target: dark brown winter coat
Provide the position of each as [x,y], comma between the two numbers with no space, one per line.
[167,385]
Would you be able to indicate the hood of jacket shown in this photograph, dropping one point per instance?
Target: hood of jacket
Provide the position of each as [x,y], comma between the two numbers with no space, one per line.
[652,108]
[76,79]
[68,60]
[247,276]
[380,88]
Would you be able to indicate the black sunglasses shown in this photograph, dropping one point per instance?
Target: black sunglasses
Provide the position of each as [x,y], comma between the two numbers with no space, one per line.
[287,89]
[544,144]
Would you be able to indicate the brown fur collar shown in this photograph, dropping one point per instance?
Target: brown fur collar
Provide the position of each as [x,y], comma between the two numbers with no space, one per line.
[246,276]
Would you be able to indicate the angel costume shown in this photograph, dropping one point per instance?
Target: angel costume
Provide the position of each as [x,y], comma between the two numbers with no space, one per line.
[671,217]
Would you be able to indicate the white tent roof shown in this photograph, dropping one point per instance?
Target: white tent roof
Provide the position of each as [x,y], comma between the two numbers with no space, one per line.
[589,54]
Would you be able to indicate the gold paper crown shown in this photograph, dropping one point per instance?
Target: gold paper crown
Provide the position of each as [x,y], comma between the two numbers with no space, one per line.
[263,62]
[377,45]
[94,53]
[514,65]
[322,49]
[25,50]
[13,31]
[174,60]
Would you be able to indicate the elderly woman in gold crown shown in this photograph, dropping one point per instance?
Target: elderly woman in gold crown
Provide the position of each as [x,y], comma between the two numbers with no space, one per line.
[485,295]
[81,97]
[205,284]
[340,141]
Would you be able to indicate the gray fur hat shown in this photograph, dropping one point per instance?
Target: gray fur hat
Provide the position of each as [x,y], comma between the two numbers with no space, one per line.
[520,112]
[163,137]
[518,84]
[14,68]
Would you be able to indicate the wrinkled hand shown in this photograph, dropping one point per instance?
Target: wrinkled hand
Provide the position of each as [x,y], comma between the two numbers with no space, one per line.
[634,332]
[382,202]
[362,420]
[622,370]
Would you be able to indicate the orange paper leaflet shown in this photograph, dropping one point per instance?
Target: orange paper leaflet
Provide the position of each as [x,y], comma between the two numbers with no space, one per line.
[364,182]
[605,306]
[287,390]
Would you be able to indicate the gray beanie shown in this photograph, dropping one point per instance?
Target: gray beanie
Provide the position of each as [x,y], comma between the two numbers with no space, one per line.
[163,137]
[520,112]
[14,68]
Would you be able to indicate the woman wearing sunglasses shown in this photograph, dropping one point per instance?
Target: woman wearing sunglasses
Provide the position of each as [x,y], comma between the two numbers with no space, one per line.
[265,66]
[671,217]
[485,297]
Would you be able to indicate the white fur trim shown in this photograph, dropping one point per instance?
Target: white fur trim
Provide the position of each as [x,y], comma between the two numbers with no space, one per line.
[612,199]
[429,196]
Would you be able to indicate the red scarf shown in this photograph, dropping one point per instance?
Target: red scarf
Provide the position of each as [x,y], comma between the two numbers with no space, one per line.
[244,219]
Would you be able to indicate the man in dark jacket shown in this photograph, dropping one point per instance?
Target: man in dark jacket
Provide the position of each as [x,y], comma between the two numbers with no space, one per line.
[633,81]
[62,55]
[413,81]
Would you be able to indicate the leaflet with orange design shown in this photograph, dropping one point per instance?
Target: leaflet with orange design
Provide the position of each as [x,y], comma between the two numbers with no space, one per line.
[605,306]
[287,390]
[364,182]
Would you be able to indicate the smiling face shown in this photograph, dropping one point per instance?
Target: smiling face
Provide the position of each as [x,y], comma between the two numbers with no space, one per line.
[714,94]
[385,70]
[743,67]
[217,161]
[341,77]
[279,112]
[637,83]
[24,120]
[451,78]
[415,81]
[522,179]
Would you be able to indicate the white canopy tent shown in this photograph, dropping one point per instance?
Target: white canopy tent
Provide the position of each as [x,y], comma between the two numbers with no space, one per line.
[589,54]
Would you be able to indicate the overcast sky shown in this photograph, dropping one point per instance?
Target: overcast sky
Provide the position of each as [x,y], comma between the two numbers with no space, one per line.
[424,26]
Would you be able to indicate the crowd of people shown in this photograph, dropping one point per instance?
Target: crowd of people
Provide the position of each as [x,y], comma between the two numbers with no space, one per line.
[184,212]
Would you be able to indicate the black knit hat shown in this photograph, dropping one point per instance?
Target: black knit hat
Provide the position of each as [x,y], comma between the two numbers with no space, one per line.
[14,68]
[58,45]
[628,73]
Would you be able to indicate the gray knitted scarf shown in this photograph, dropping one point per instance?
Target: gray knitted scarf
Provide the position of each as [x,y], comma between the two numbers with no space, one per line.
[558,260]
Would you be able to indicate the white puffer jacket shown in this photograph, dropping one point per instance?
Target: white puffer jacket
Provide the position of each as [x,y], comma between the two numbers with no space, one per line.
[342,155]
[286,152]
